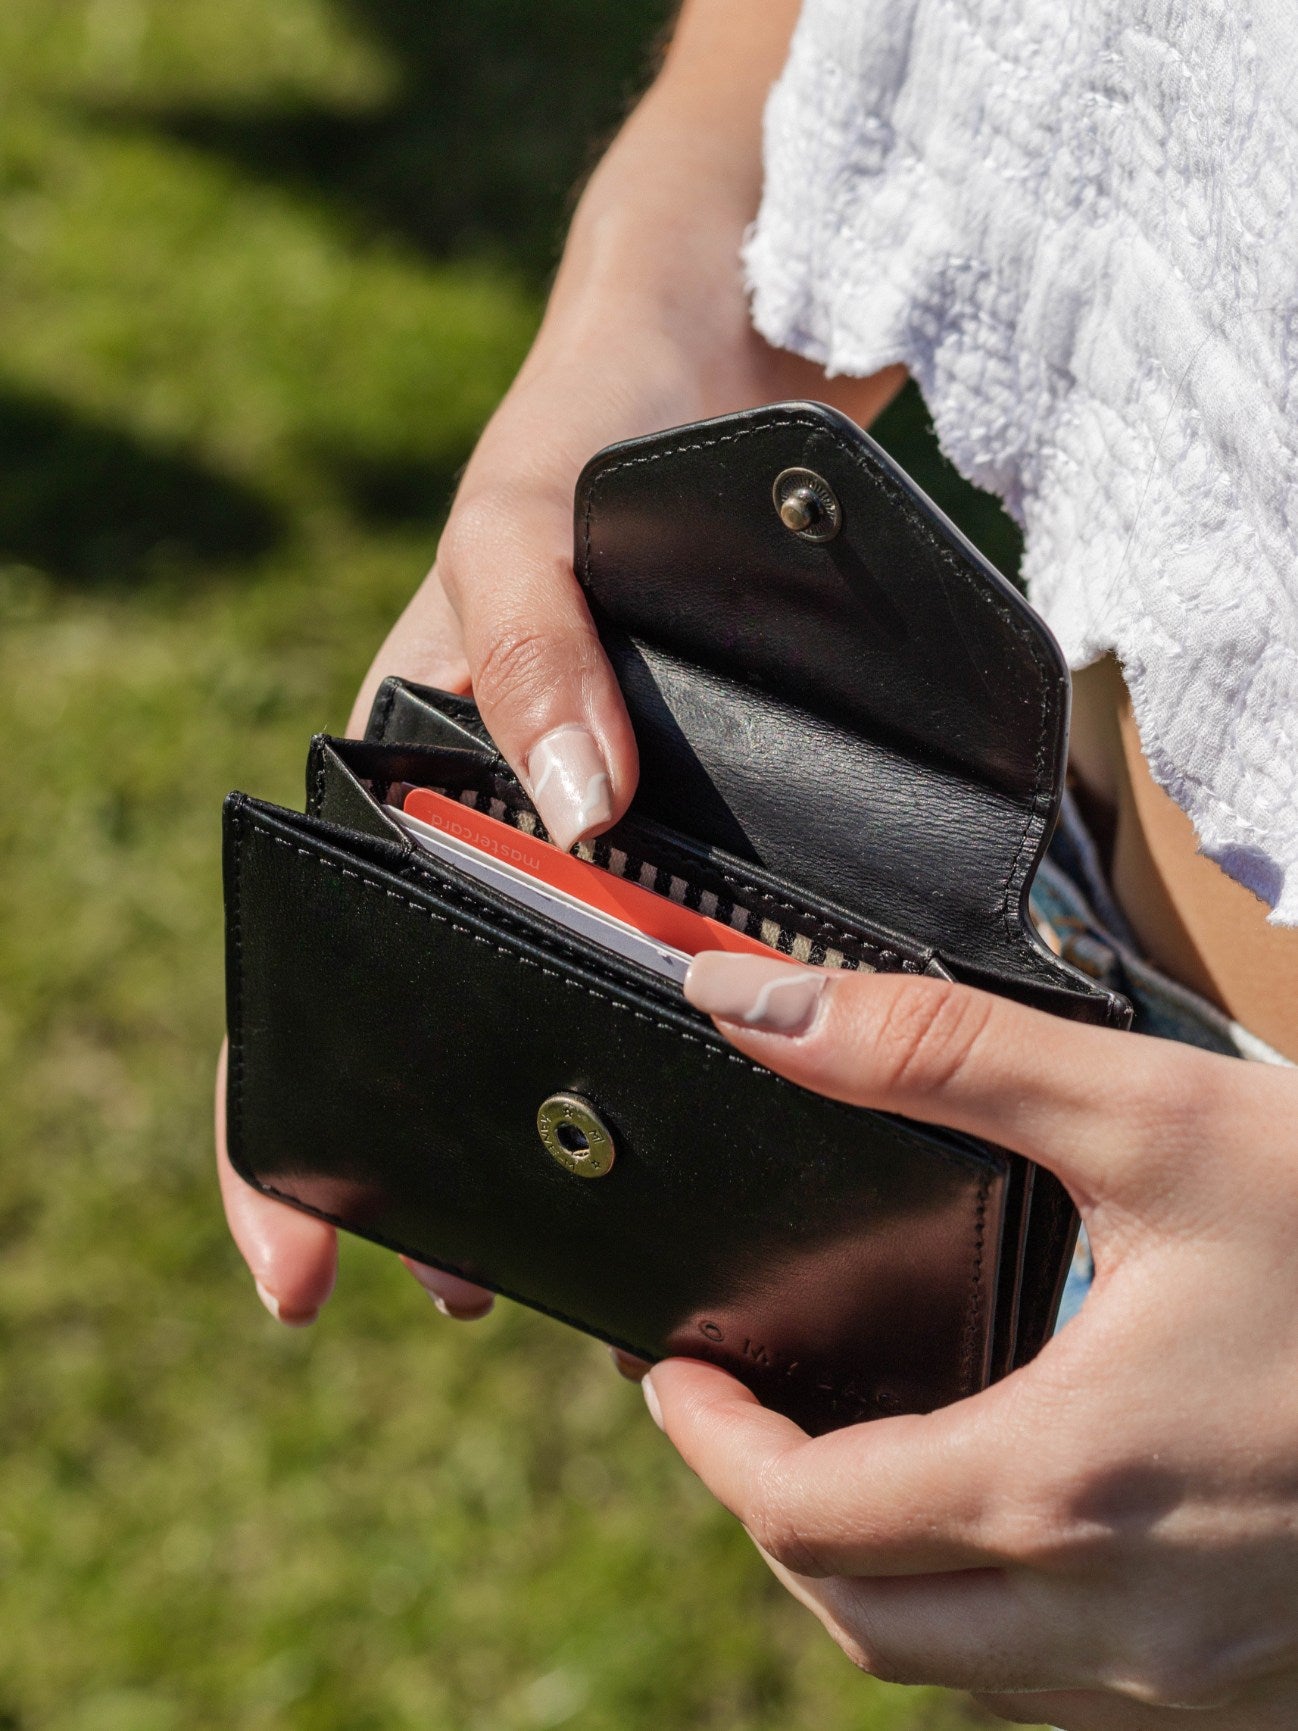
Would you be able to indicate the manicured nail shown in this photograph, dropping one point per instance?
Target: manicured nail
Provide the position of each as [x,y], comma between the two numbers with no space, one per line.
[651,1400]
[459,1314]
[299,1319]
[777,997]
[435,1283]
[628,1365]
[570,785]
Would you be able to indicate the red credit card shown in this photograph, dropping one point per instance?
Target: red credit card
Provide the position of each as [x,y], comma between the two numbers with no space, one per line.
[666,922]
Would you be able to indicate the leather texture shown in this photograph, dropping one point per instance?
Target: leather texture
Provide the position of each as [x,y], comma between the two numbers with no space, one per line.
[881,715]
[866,734]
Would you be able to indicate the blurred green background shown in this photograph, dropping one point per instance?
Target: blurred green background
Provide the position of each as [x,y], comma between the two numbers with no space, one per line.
[264,270]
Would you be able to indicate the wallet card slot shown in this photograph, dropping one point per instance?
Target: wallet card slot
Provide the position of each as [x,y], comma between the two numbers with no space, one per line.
[650,854]
[339,795]
[668,875]
[708,883]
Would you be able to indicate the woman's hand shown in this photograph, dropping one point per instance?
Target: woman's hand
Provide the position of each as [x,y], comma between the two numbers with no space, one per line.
[647,327]
[1108,1539]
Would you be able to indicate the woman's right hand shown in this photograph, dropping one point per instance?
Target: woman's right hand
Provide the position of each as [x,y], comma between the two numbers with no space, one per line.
[647,327]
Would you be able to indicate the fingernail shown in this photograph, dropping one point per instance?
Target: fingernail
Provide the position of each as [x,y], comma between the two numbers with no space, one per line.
[628,1365]
[457,1313]
[290,1319]
[570,785]
[777,997]
[434,1283]
[651,1400]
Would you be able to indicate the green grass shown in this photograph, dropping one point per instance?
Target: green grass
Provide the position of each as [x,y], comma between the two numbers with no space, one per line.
[264,269]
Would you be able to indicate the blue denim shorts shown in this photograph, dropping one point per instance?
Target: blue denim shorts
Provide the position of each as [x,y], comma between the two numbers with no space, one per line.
[1071,898]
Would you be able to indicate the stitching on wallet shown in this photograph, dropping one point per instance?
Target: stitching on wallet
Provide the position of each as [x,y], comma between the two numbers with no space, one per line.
[1019,861]
[385,712]
[317,790]
[237,1068]
[977,1295]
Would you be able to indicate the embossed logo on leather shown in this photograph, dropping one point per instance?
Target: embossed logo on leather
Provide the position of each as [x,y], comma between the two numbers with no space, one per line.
[854,1401]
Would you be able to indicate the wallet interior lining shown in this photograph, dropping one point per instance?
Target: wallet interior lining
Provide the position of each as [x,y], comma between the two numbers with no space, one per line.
[679,868]
[637,867]
[806,926]
[802,936]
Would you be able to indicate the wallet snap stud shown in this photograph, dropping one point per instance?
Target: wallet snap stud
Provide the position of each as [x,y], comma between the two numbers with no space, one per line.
[575,1135]
[807,505]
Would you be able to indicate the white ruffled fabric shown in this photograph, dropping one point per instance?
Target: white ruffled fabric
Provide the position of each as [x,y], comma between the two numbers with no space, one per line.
[1077,226]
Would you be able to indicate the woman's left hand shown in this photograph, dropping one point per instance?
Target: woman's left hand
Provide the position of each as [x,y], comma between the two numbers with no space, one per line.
[1108,1539]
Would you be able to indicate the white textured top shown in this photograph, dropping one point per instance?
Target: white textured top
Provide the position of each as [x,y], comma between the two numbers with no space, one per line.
[1077,225]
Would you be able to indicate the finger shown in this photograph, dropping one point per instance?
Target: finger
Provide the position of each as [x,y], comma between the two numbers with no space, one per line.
[897,1496]
[982,1629]
[459,1299]
[1079,1099]
[1030,1709]
[292,1257]
[539,674]
[1098,1710]
[425,645]
[627,1365]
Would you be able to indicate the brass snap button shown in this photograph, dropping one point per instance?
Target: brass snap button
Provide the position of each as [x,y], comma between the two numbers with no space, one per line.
[575,1135]
[806,505]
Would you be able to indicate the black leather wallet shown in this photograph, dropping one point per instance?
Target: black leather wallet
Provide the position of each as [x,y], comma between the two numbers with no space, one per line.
[852,735]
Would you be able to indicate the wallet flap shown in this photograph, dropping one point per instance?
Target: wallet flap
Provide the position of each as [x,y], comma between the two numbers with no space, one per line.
[879,714]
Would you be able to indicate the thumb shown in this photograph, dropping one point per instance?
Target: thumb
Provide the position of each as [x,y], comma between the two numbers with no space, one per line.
[538,670]
[1093,1105]
[896,1496]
